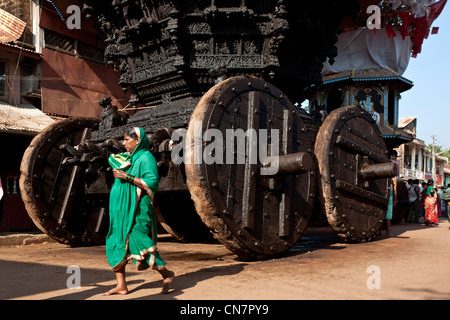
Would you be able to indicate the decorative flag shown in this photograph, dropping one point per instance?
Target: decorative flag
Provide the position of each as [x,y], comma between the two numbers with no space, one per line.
[435,11]
[403,31]
[390,31]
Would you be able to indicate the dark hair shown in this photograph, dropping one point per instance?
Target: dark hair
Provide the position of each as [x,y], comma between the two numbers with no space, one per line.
[430,182]
[132,134]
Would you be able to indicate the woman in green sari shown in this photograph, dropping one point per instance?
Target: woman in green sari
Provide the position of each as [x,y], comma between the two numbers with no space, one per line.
[132,230]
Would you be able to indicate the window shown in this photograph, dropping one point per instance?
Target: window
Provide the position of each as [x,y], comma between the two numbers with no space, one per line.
[61,43]
[2,78]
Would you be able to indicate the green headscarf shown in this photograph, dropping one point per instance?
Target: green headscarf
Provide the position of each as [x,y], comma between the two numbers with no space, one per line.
[123,161]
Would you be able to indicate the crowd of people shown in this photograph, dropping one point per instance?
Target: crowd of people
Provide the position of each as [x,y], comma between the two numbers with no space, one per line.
[427,201]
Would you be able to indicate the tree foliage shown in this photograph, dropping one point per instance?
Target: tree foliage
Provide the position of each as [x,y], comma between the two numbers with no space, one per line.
[438,150]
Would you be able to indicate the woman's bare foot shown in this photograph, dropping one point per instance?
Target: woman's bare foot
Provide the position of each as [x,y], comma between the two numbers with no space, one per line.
[168,277]
[116,290]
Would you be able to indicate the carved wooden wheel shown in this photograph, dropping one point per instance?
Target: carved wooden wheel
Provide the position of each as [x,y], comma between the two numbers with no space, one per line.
[54,193]
[254,214]
[354,167]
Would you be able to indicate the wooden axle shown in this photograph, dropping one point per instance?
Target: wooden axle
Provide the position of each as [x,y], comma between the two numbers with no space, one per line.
[291,163]
[378,171]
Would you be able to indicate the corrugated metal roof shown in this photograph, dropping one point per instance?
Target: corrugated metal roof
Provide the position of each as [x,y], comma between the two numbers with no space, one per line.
[24,118]
[403,122]
[12,47]
[11,27]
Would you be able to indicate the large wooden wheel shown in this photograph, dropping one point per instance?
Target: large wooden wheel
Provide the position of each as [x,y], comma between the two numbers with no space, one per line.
[354,167]
[254,214]
[54,193]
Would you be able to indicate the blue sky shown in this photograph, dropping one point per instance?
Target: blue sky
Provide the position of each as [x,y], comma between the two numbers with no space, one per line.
[429,99]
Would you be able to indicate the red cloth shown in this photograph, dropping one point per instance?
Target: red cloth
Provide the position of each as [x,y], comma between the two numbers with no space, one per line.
[431,210]
[419,28]
[407,18]
[390,32]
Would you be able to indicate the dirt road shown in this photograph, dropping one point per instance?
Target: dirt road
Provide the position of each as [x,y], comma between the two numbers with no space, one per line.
[412,265]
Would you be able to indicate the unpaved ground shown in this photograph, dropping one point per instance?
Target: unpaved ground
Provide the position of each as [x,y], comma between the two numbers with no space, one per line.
[413,265]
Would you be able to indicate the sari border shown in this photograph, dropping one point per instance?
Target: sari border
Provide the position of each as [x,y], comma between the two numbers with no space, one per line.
[142,257]
[147,189]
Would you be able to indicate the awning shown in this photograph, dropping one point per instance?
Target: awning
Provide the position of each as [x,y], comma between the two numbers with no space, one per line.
[447,169]
[19,50]
[22,119]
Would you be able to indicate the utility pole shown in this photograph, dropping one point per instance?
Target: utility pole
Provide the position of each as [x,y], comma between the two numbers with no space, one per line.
[433,154]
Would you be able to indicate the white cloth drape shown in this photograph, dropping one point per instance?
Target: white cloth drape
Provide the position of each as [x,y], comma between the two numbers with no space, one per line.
[363,49]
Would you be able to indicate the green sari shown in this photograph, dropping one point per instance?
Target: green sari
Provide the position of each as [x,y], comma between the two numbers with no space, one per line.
[132,229]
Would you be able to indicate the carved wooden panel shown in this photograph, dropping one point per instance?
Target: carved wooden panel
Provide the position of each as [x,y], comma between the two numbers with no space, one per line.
[182,48]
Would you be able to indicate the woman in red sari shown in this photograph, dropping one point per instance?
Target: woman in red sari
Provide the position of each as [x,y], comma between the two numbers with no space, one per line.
[431,210]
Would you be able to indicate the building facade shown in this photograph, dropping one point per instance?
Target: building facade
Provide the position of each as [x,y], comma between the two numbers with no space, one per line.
[446,174]
[415,161]
[48,71]
[20,115]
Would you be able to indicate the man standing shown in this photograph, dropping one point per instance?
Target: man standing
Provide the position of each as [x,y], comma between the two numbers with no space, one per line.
[447,200]
[441,201]
[414,193]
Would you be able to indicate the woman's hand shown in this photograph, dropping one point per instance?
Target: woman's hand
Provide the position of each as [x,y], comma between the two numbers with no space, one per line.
[122,175]
[119,174]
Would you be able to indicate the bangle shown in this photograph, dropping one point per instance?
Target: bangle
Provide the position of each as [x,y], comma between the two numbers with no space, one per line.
[129,178]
